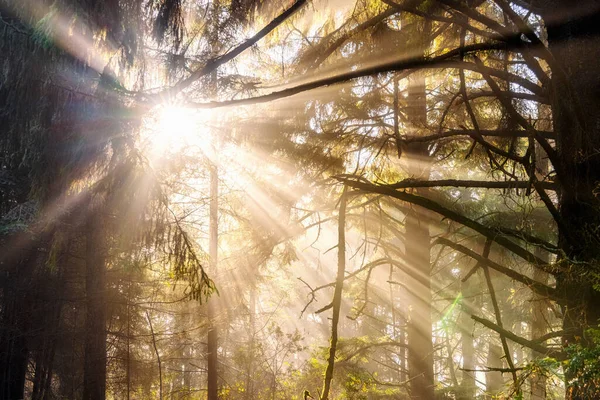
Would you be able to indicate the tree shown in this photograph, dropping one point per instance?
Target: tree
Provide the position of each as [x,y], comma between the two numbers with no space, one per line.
[80,198]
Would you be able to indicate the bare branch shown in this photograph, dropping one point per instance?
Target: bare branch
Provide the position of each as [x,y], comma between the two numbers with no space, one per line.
[447,213]
[537,287]
[559,355]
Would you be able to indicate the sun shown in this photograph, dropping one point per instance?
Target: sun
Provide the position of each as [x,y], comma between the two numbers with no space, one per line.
[175,128]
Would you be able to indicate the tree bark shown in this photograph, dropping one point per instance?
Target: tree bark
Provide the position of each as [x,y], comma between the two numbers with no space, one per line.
[576,115]
[158,359]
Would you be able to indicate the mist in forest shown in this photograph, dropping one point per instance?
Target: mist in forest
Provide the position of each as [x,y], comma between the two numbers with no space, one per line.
[292,199]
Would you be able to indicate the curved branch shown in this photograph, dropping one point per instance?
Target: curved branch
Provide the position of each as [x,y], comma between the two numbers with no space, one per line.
[416,183]
[471,132]
[446,60]
[447,213]
[559,355]
[535,286]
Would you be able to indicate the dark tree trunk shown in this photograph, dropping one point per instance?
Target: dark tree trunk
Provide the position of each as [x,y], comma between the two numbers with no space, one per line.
[14,358]
[573,40]
[17,259]
[576,114]
[45,354]
[94,378]
[539,306]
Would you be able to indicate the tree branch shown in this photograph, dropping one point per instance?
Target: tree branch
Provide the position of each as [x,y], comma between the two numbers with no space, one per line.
[415,183]
[537,287]
[559,355]
[470,132]
[446,60]
[447,213]
[216,62]
[492,292]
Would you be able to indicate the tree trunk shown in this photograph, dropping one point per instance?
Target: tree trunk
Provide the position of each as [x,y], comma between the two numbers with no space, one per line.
[494,380]
[249,394]
[213,336]
[467,328]
[19,262]
[420,345]
[573,40]
[158,359]
[417,243]
[13,349]
[539,325]
[337,297]
[539,306]
[94,370]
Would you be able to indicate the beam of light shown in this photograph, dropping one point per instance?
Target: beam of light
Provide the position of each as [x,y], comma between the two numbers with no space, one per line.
[57,28]
[448,314]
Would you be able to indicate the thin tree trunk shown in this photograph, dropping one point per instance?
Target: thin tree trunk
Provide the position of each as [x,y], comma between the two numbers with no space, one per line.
[337,296]
[467,328]
[507,353]
[252,342]
[213,336]
[44,362]
[403,312]
[158,359]
[539,306]
[128,371]
[420,344]
[539,324]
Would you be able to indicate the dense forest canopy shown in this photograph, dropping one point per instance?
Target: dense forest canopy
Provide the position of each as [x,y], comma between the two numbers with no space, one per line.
[278,199]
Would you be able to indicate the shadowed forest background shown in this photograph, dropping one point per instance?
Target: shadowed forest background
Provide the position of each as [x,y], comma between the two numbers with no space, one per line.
[278,199]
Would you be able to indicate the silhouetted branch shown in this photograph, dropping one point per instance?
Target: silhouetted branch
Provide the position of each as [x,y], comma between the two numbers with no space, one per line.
[447,213]
[214,63]
[470,132]
[537,287]
[446,60]
[559,355]
[416,183]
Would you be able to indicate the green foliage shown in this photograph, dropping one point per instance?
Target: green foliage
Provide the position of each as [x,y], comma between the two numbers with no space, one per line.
[582,368]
